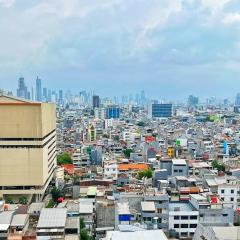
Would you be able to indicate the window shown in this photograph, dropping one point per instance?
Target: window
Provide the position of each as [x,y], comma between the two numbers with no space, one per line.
[180,170]
[184,225]
[176,225]
[176,217]
[223,199]
[232,191]
[193,225]
[175,170]
[184,217]
[222,191]
[232,199]
[184,234]
[193,217]
[225,215]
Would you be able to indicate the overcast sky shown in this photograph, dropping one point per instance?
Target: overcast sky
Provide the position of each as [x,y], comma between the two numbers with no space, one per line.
[169,48]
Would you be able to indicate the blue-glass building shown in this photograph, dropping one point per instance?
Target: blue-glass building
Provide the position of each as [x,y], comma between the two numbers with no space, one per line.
[159,110]
[113,112]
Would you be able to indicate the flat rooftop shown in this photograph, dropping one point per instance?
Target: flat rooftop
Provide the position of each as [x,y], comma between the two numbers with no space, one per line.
[181,206]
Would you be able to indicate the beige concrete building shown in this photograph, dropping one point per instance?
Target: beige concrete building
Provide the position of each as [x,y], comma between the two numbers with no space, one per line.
[27,147]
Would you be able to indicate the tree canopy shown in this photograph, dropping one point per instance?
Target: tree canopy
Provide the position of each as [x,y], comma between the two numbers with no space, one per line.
[146,173]
[64,158]
[127,152]
[218,166]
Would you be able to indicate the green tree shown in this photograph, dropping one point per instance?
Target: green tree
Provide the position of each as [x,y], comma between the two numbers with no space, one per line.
[51,204]
[145,173]
[127,152]
[84,235]
[82,223]
[23,200]
[9,200]
[83,231]
[64,158]
[218,166]
[56,193]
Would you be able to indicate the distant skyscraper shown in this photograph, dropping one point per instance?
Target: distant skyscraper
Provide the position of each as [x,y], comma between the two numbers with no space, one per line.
[45,94]
[38,89]
[22,91]
[60,97]
[96,101]
[237,101]
[49,95]
[237,104]
[192,101]
[157,110]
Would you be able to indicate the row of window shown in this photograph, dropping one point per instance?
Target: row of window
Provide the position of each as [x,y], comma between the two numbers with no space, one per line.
[223,191]
[231,199]
[30,146]
[185,225]
[185,217]
[178,170]
[27,139]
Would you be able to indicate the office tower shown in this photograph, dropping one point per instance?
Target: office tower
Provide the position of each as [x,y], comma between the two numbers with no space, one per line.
[27,147]
[60,97]
[237,104]
[38,89]
[49,95]
[159,110]
[143,97]
[22,91]
[113,112]
[237,101]
[45,94]
[192,101]
[96,101]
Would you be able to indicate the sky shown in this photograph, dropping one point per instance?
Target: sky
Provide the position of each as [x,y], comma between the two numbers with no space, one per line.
[169,48]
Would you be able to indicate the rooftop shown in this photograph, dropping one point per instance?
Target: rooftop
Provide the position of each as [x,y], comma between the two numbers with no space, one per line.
[52,218]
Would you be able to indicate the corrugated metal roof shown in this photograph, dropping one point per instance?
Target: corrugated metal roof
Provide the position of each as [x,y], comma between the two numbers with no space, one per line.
[52,218]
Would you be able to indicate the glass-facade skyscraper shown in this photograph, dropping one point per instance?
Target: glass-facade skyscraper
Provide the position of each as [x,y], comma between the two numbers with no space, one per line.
[38,89]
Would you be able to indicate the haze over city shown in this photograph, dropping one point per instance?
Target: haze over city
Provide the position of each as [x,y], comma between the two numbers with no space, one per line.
[168,48]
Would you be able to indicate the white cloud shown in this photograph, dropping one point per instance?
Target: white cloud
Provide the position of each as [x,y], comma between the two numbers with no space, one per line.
[7,3]
[231,18]
[214,5]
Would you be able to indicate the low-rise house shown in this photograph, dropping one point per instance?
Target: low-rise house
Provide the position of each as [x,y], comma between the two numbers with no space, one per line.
[179,167]
[183,219]
[52,223]
[211,210]
[87,212]
[5,221]
[161,202]
[19,224]
[148,213]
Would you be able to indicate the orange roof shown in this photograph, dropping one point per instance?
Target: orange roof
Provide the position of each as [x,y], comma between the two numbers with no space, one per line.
[132,166]
[69,168]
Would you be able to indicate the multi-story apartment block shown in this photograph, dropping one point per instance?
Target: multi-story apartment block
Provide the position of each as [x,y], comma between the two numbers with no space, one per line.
[27,147]
[183,218]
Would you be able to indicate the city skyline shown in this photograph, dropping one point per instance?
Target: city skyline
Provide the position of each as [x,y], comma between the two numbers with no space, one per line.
[165,47]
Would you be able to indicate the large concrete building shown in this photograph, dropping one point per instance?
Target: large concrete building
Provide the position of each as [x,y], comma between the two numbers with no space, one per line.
[27,147]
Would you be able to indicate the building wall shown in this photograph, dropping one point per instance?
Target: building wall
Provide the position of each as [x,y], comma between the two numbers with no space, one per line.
[27,145]
[180,222]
